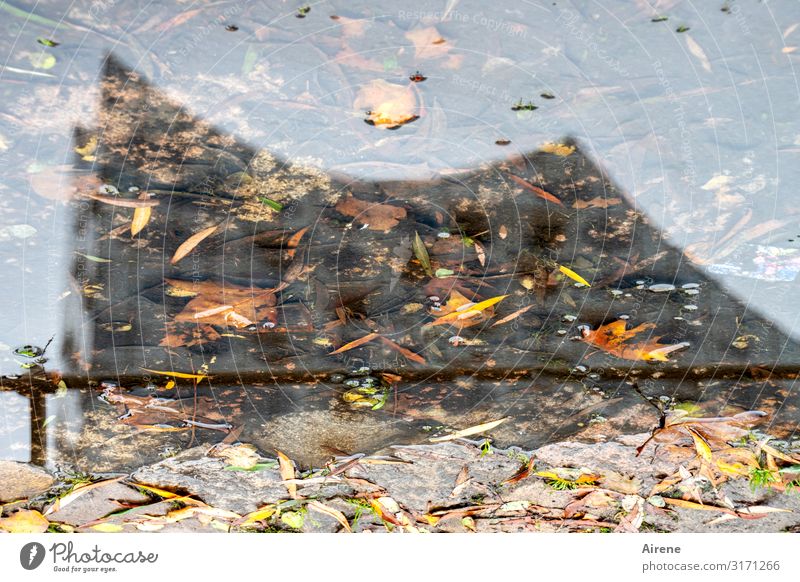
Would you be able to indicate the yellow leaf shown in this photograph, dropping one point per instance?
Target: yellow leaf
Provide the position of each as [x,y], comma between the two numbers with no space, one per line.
[77,492]
[141,216]
[477,429]
[468,523]
[286,468]
[259,514]
[190,243]
[25,521]
[184,375]
[700,444]
[573,275]
[160,492]
[558,149]
[108,527]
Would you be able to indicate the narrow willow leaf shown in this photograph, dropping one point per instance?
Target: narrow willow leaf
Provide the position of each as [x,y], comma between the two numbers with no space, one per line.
[422,254]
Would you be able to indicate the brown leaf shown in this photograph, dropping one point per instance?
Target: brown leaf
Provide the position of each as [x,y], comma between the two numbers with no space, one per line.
[381,217]
[330,511]
[596,202]
[286,469]
[513,316]
[355,343]
[190,243]
[543,194]
[613,339]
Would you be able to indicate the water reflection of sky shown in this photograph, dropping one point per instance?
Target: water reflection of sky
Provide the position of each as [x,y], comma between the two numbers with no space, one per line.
[699,127]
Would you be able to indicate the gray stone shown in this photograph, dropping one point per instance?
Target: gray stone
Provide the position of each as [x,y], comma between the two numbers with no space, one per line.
[22,481]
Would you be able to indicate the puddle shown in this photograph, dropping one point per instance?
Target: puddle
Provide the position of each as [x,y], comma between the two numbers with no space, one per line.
[334,233]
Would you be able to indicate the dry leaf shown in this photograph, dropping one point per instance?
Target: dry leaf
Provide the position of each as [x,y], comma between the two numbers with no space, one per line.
[462,313]
[596,202]
[478,429]
[388,105]
[558,149]
[355,343]
[381,217]
[543,194]
[613,339]
[25,522]
[330,511]
[141,216]
[286,468]
[77,492]
[698,52]
[190,243]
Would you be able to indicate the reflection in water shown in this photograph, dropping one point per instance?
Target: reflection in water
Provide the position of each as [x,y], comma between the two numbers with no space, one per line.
[251,264]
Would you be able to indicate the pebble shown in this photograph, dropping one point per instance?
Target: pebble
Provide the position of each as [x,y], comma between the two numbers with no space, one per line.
[562,332]
[108,189]
[616,292]
[337,378]
[580,369]
[661,288]
[690,286]
[569,318]
[690,307]
[625,316]
[443,234]
[691,291]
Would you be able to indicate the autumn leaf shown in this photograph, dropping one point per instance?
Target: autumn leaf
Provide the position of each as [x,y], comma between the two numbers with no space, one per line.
[331,512]
[75,493]
[596,202]
[573,275]
[190,243]
[461,312]
[387,105]
[286,469]
[558,149]
[184,375]
[25,521]
[543,194]
[225,304]
[382,217]
[355,343]
[141,216]
[477,429]
[613,338]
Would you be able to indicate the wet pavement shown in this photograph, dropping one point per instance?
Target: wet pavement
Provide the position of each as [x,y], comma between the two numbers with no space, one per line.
[275,226]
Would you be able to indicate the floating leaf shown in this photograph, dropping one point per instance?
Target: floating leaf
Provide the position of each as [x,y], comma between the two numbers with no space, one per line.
[123,202]
[442,273]
[190,243]
[573,275]
[477,429]
[558,149]
[46,42]
[468,313]
[403,351]
[513,316]
[388,105]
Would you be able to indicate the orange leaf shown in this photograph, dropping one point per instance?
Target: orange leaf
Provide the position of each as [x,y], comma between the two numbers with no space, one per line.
[355,343]
[388,105]
[544,194]
[141,216]
[190,243]
[286,469]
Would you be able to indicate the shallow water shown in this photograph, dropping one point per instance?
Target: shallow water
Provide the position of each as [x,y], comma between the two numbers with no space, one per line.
[653,158]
